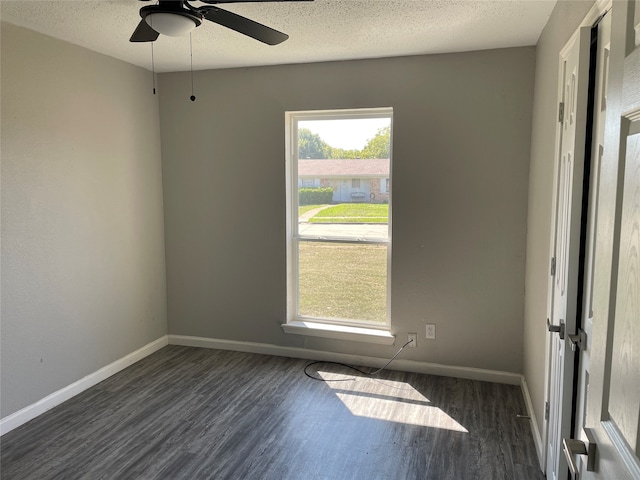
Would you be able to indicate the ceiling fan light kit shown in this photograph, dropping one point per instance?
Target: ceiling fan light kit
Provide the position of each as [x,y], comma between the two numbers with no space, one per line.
[172,24]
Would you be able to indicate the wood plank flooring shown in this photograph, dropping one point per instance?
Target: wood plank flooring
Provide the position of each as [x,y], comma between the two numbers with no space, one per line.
[191,413]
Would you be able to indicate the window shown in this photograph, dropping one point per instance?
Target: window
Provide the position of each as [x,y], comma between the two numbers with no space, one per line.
[307,182]
[338,240]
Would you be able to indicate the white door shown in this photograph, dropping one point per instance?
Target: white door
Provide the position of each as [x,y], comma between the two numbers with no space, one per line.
[613,396]
[581,340]
[345,191]
[572,94]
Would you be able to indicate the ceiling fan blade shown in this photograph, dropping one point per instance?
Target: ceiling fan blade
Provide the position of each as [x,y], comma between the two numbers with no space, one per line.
[144,33]
[243,25]
[217,2]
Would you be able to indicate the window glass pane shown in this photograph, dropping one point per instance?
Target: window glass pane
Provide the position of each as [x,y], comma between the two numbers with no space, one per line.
[342,169]
[342,281]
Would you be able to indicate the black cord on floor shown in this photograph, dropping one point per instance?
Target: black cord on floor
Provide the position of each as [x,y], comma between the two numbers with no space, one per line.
[351,367]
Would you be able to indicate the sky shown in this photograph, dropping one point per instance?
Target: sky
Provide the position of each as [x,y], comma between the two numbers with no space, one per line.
[350,134]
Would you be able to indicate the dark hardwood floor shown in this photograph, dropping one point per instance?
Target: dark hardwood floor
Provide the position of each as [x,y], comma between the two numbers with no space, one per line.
[191,413]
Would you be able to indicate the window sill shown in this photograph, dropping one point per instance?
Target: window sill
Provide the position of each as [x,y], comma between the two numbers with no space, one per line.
[339,332]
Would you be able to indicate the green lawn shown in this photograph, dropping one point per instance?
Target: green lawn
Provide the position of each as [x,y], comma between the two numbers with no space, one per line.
[353,213]
[343,281]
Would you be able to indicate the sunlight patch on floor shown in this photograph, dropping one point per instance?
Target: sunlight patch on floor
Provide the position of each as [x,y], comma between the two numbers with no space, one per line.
[388,400]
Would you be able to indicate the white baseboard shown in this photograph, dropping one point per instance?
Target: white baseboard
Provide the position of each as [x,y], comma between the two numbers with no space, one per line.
[534,424]
[398,364]
[22,416]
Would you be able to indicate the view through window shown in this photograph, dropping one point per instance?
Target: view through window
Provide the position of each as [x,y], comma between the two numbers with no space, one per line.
[340,204]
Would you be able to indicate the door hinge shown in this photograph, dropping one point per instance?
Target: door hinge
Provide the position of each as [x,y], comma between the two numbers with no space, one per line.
[553,266]
[546,410]
[561,112]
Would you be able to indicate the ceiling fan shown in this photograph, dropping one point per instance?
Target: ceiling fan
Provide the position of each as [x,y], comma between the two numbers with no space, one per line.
[178,17]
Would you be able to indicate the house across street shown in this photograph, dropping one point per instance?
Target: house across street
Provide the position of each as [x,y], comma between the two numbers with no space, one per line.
[352,180]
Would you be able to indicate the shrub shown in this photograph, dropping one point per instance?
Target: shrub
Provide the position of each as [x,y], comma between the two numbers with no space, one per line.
[315,196]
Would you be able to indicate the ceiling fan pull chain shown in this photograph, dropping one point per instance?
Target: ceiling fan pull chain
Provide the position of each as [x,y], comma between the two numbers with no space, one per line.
[153,70]
[193,97]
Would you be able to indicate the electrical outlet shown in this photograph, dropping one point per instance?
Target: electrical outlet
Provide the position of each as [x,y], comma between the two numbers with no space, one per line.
[414,337]
[431,331]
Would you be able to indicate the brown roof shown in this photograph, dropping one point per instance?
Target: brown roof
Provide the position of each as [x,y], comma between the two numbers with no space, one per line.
[358,168]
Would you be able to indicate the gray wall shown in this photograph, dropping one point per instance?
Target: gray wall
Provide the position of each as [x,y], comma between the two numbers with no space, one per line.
[565,19]
[462,125]
[83,273]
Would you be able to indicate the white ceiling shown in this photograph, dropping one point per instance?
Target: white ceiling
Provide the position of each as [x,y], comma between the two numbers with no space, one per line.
[321,30]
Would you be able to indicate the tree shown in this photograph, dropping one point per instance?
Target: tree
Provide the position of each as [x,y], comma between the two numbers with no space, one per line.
[341,153]
[310,145]
[379,146]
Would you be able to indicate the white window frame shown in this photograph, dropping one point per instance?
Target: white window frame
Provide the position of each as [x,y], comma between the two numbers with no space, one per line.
[361,330]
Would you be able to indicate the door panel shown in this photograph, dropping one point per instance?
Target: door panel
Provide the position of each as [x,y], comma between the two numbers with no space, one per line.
[624,391]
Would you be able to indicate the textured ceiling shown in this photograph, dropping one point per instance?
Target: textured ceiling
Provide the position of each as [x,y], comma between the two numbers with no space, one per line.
[321,30]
